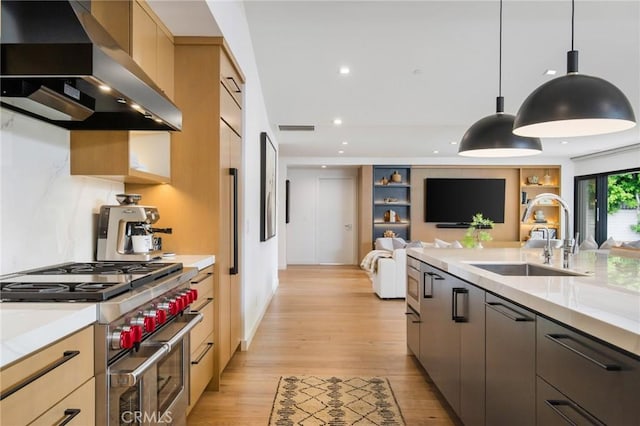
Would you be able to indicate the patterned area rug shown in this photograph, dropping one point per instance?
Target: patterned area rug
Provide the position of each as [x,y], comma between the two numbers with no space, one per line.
[335,401]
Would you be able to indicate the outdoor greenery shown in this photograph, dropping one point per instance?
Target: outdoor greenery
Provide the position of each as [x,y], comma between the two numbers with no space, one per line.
[476,232]
[624,192]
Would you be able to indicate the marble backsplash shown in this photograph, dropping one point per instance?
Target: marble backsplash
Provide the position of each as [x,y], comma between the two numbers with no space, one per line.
[47,216]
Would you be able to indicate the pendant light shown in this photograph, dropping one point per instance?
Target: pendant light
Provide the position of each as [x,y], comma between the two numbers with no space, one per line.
[492,136]
[574,104]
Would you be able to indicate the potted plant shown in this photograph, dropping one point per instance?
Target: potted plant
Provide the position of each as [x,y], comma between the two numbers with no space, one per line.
[477,231]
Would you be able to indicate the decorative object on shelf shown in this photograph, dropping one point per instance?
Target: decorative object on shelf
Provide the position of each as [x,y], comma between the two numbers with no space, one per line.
[390,200]
[532,180]
[574,104]
[492,136]
[388,233]
[523,197]
[396,177]
[546,179]
[391,216]
[384,180]
[268,167]
[476,232]
[539,216]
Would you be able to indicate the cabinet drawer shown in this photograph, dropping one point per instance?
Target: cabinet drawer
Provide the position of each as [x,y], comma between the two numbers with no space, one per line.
[202,330]
[201,369]
[47,377]
[203,282]
[555,409]
[598,378]
[413,332]
[230,112]
[230,78]
[79,408]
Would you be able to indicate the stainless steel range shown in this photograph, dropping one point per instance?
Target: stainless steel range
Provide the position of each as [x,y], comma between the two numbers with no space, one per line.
[142,335]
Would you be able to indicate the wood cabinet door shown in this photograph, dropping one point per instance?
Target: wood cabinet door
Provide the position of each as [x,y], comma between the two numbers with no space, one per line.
[165,73]
[144,49]
[235,291]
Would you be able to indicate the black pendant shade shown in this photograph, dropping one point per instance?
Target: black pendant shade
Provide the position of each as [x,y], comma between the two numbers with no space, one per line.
[492,136]
[574,105]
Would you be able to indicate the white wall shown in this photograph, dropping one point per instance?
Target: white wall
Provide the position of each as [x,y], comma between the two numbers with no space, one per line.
[259,260]
[608,161]
[46,215]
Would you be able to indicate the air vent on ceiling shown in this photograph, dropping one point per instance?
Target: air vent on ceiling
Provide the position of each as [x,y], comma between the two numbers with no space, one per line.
[296,128]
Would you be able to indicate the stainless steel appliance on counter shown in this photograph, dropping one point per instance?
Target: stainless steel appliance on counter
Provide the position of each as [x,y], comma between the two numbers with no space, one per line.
[142,335]
[125,232]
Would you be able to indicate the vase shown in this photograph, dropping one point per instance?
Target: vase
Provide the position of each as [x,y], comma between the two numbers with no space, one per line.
[396,177]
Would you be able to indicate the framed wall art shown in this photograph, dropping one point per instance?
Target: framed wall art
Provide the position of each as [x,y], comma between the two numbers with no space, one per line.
[268,168]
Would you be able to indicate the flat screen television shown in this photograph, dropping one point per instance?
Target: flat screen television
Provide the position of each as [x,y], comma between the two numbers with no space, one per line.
[456,200]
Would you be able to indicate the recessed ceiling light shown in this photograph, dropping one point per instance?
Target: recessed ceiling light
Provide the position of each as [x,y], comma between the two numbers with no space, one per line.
[157,120]
[564,142]
[337,121]
[341,152]
[435,151]
[136,107]
[345,143]
[454,142]
[121,101]
[344,70]
[550,72]
[105,88]
[323,166]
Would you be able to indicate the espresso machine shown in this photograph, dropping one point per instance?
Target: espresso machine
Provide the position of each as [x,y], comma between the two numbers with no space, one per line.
[125,232]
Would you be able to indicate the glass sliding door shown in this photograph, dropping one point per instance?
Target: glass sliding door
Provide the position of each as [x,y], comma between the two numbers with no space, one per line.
[586,213]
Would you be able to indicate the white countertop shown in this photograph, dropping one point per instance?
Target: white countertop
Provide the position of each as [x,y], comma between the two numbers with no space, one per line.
[28,327]
[199,261]
[604,304]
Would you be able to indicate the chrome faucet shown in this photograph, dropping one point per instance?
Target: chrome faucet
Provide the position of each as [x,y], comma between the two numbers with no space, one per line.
[547,251]
[568,245]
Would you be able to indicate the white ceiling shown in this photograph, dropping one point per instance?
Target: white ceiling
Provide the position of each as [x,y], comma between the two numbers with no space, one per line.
[421,71]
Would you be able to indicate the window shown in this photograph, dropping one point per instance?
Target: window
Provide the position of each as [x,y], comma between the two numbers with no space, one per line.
[607,205]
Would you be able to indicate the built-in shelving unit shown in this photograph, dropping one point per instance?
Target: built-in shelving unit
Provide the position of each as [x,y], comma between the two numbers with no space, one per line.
[391,201]
[536,180]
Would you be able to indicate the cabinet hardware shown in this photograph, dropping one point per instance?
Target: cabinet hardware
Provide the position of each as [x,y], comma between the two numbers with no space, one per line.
[454,304]
[233,80]
[424,286]
[602,364]
[234,269]
[66,356]
[201,277]
[209,300]
[556,404]
[414,321]
[434,275]
[199,358]
[507,311]
[69,414]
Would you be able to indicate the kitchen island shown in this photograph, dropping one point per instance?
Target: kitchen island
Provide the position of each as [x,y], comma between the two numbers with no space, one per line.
[528,350]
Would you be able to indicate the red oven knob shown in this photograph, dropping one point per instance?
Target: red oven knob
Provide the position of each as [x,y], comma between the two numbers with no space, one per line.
[184,301]
[194,294]
[136,333]
[161,316]
[150,323]
[174,308]
[125,340]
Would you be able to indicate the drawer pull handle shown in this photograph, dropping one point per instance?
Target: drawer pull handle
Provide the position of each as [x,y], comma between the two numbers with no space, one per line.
[209,300]
[454,304]
[69,414]
[233,80]
[414,321]
[434,276]
[556,404]
[507,311]
[201,277]
[602,364]
[424,286]
[197,360]
[66,356]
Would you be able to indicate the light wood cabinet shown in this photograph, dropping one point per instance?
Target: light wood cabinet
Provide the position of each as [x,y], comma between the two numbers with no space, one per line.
[38,384]
[536,180]
[139,32]
[124,156]
[206,182]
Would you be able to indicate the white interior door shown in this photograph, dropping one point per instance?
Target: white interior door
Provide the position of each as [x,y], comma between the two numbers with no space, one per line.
[335,225]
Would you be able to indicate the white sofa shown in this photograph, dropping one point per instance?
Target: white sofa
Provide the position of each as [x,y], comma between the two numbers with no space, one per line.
[389,280]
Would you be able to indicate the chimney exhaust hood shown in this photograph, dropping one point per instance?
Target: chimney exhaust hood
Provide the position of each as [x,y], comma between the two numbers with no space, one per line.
[61,66]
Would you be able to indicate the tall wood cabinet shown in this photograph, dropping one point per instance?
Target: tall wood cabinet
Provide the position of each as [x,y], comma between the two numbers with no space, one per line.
[535,180]
[203,202]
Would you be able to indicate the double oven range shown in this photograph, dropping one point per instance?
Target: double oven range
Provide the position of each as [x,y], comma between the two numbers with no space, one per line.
[141,337]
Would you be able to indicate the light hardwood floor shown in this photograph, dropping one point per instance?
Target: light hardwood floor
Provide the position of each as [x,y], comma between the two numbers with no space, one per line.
[323,320]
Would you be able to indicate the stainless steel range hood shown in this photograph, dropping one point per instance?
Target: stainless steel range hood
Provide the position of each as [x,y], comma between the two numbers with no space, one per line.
[61,66]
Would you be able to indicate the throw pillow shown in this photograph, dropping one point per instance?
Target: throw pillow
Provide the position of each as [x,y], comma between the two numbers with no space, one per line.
[414,244]
[589,244]
[384,244]
[456,244]
[441,243]
[609,243]
[632,244]
[398,243]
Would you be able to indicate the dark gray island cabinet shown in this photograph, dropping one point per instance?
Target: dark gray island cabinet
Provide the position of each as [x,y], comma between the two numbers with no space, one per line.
[497,362]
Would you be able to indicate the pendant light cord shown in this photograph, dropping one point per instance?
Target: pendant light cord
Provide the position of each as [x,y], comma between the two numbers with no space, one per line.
[500,56]
[573,18]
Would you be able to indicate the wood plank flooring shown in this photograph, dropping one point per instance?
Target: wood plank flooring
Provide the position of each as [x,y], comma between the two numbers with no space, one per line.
[323,320]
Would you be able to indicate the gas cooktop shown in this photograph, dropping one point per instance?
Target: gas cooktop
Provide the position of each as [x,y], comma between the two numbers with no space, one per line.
[81,282]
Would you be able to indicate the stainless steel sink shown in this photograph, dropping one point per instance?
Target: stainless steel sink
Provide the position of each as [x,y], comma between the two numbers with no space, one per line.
[525,270]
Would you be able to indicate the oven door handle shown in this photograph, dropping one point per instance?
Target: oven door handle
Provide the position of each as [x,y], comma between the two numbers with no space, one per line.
[125,378]
[195,318]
